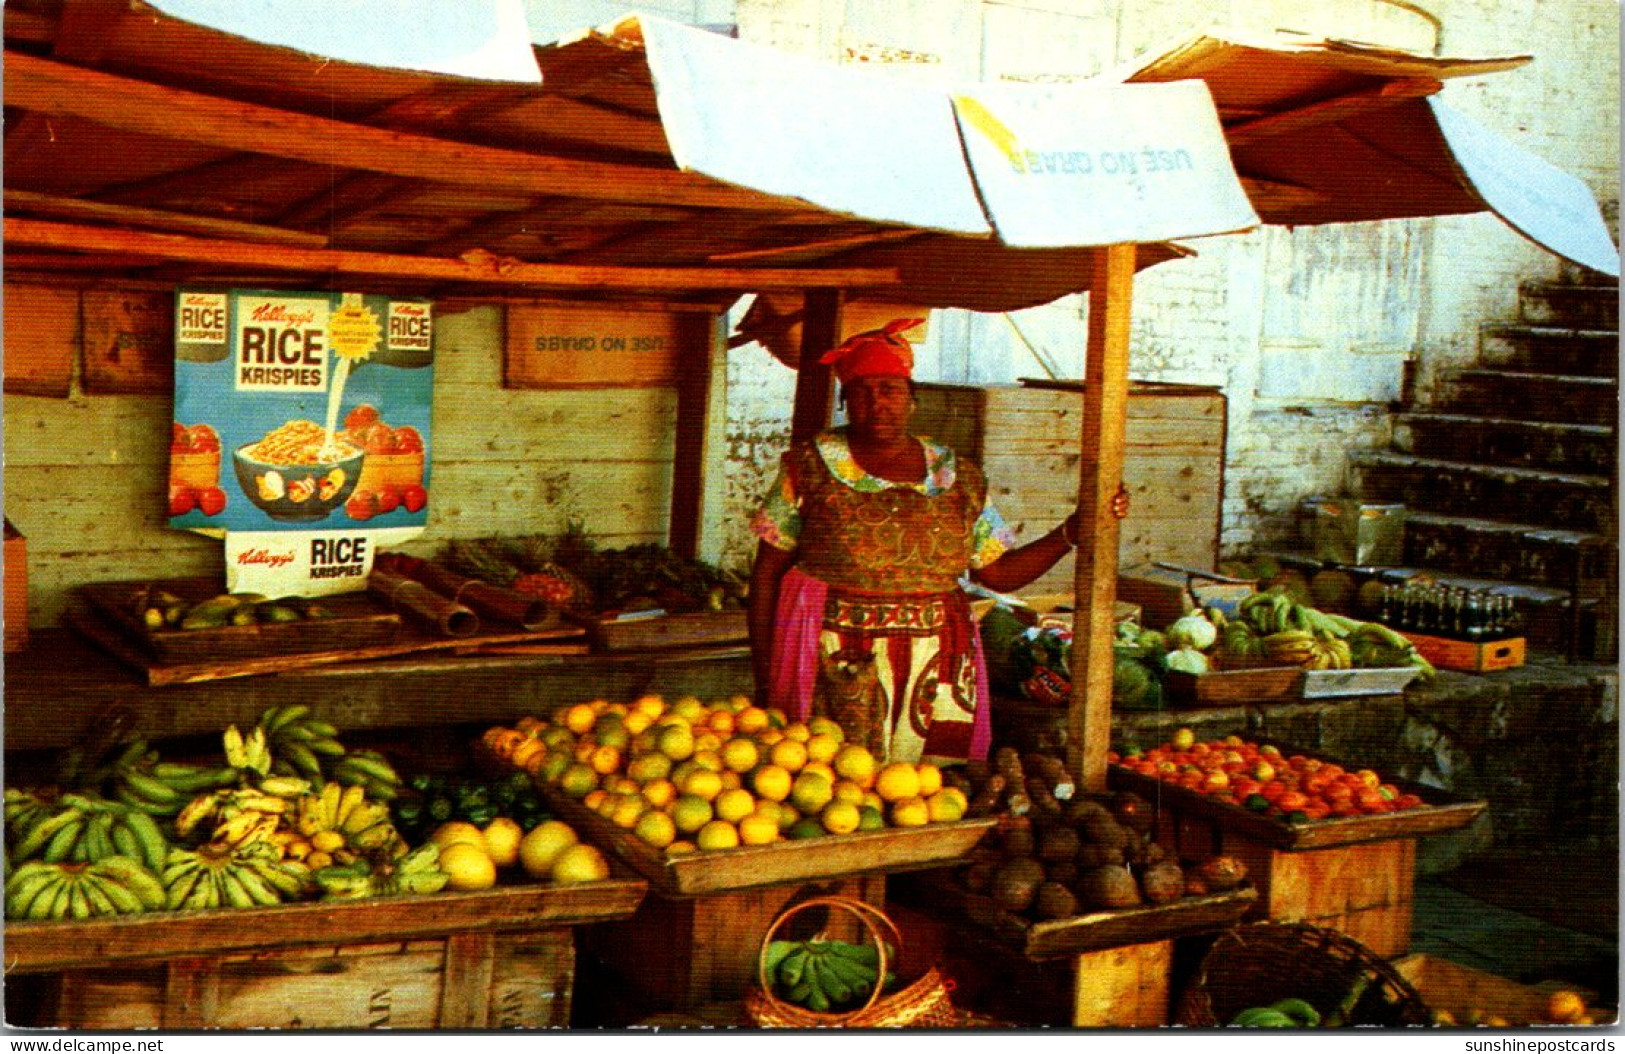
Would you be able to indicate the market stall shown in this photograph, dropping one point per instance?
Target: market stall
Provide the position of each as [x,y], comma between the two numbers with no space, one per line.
[649,172]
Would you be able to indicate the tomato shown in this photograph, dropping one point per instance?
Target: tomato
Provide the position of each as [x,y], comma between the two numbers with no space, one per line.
[177,438]
[182,499]
[201,438]
[1316,810]
[407,440]
[1217,780]
[361,505]
[1292,801]
[1408,801]
[388,500]
[1369,778]
[376,438]
[1263,771]
[211,501]
[1245,787]
[360,417]
[1272,791]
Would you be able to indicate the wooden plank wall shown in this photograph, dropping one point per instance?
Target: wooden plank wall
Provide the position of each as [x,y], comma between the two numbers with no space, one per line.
[1026,440]
[86,475]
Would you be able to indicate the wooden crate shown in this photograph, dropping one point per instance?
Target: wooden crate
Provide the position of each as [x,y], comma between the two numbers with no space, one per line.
[473,980]
[1470,995]
[1467,655]
[1026,440]
[15,612]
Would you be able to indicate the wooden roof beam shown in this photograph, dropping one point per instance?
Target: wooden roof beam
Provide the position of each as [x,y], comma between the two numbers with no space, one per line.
[1330,110]
[482,268]
[130,105]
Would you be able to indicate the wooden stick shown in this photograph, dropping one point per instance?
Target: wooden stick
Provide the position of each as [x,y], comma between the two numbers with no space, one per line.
[133,216]
[1100,473]
[815,382]
[484,269]
[131,105]
[1351,105]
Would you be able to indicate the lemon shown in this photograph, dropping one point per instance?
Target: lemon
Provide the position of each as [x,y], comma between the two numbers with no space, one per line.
[822,747]
[577,780]
[659,793]
[824,726]
[797,731]
[543,844]
[681,847]
[656,828]
[707,758]
[854,762]
[637,721]
[788,754]
[628,810]
[943,808]
[1184,739]
[840,817]
[605,760]
[731,780]
[647,767]
[580,863]
[822,768]
[734,805]
[718,834]
[930,778]
[468,867]
[806,827]
[750,720]
[676,742]
[870,818]
[452,832]
[847,791]
[910,812]
[811,792]
[690,813]
[650,705]
[897,781]
[502,837]
[689,709]
[771,782]
[579,718]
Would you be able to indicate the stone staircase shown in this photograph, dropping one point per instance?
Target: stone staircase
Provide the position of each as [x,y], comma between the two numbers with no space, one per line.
[1509,476]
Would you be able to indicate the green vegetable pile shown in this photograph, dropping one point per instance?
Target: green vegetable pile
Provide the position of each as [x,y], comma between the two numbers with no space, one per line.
[431,800]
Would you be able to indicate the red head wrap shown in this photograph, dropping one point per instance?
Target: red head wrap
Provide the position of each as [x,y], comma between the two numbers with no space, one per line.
[882,352]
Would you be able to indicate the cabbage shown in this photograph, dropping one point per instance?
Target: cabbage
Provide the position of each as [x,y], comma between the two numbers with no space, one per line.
[1187,660]
[1134,685]
[1193,631]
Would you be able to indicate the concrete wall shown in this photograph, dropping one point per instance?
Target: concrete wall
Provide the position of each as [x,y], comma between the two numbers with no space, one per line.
[1308,331]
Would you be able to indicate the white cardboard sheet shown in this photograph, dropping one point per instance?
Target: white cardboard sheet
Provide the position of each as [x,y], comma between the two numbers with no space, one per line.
[1544,203]
[855,142]
[1093,165]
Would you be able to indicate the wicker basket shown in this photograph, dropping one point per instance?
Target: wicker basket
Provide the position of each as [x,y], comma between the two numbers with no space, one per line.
[1258,964]
[923,1004]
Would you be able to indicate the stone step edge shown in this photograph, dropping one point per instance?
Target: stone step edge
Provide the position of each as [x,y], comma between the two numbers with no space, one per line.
[1445,417]
[1520,590]
[1546,332]
[1507,472]
[1489,372]
[1534,532]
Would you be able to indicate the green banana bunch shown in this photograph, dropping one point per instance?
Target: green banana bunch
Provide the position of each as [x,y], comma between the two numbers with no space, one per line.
[113,885]
[161,788]
[369,769]
[25,808]
[416,872]
[210,877]
[78,829]
[299,742]
[1284,1013]
[822,975]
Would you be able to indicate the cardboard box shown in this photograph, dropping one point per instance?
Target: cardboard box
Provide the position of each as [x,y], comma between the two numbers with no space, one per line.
[15,613]
[1357,533]
[1165,593]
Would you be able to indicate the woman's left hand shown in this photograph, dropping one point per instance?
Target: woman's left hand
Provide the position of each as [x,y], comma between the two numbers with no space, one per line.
[1119,504]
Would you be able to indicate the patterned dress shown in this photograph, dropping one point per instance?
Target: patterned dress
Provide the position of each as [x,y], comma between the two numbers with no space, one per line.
[872,627]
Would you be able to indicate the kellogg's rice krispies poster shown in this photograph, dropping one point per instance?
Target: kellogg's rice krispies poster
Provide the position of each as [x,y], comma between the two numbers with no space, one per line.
[301,432]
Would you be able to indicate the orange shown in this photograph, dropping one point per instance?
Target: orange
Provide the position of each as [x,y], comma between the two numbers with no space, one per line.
[525,750]
[502,837]
[847,791]
[788,754]
[707,759]
[718,834]
[690,813]
[721,722]
[772,782]
[942,807]
[740,754]
[750,720]
[768,736]
[580,863]
[690,709]
[453,831]
[593,797]
[680,847]
[579,718]
[930,778]
[823,726]
[840,817]
[650,705]
[731,779]
[798,732]
[897,781]
[822,747]
[637,721]
[659,793]
[622,785]
[811,792]
[628,809]
[646,767]
[734,805]
[822,768]
[757,829]
[539,848]
[707,740]
[676,742]
[605,760]
[870,818]
[702,783]
[1565,1007]
[530,724]
[656,828]
[776,718]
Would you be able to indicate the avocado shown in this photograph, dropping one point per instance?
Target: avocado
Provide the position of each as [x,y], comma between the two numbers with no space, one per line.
[1055,901]
[1015,883]
[1108,888]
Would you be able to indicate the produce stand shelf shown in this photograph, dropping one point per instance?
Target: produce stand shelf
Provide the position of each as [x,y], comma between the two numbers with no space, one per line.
[685,629]
[778,863]
[1095,931]
[1331,684]
[1442,812]
[503,958]
[1264,684]
[33,947]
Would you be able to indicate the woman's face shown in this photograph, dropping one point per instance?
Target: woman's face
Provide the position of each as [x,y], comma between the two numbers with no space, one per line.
[879,407]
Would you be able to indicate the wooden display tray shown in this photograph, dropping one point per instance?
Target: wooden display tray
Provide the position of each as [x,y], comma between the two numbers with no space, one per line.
[1441,812]
[1096,931]
[666,631]
[1333,684]
[35,947]
[102,630]
[1240,687]
[1470,656]
[778,863]
[356,622]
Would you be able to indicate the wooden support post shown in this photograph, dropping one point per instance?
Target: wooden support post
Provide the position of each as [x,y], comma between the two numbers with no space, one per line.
[1126,987]
[697,442]
[1100,473]
[815,388]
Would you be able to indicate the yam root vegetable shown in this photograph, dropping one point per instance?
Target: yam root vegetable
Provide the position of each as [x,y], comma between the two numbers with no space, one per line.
[1103,830]
[1007,763]
[1220,873]
[987,797]
[1055,901]
[1047,808]
[1078,812]
[1015,883]
[1065,872]
[1133,811]
[1057,844]
[1162,882]
[1017,840]
[1091,856]
[1053,772]
[1108,888]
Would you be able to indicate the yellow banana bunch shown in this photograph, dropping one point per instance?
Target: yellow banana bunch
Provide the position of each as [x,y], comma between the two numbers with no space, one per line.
[1290,647]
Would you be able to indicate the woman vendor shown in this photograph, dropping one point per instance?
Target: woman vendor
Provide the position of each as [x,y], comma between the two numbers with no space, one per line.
[856,610]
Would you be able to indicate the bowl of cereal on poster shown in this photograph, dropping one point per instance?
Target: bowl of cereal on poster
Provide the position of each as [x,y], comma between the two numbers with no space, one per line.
[291,474]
